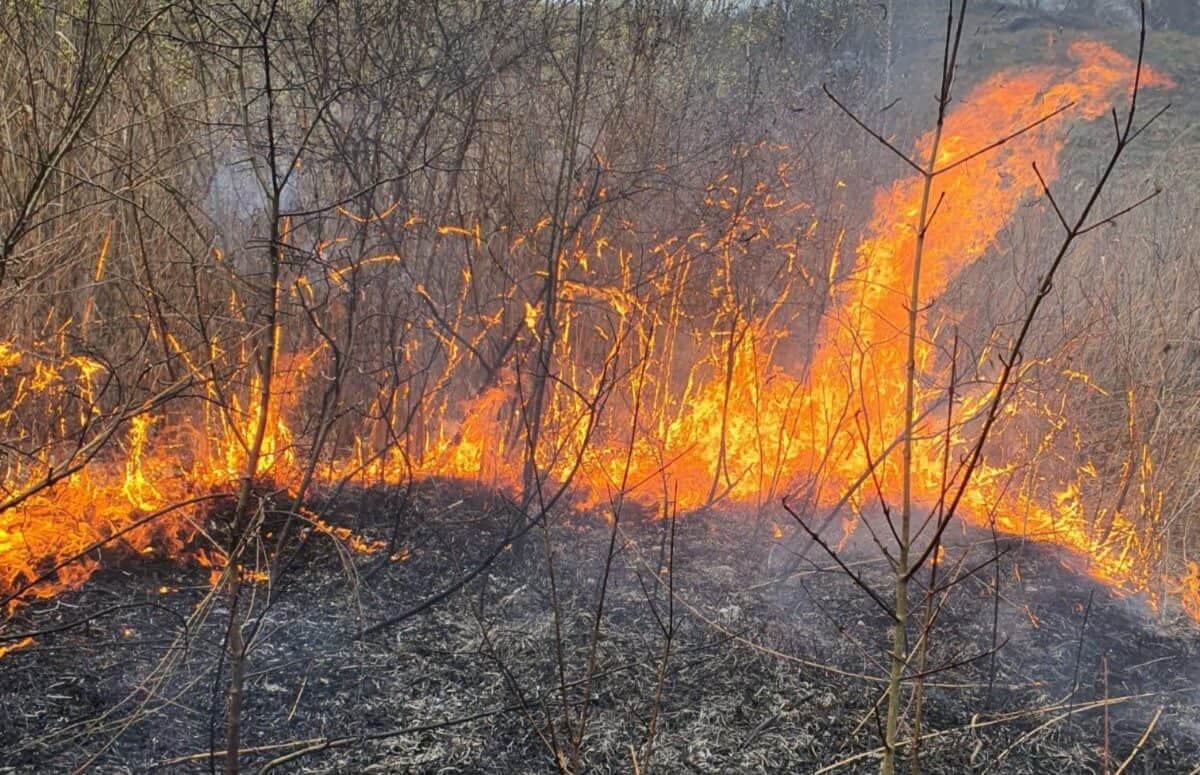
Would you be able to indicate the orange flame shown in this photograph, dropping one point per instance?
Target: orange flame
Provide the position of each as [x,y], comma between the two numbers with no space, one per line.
[720,416]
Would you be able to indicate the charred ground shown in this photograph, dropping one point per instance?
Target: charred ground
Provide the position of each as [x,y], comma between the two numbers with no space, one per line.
[770,673]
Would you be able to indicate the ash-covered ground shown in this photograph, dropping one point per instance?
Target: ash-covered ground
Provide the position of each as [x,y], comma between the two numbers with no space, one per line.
[768,672]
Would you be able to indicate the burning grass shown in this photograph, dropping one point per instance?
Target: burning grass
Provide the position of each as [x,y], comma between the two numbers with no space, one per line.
[745,423]
[639,332]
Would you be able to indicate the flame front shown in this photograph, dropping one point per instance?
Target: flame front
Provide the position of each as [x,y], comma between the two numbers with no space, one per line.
[723,411]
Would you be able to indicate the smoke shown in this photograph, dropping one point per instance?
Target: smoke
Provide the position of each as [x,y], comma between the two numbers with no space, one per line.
[238,192]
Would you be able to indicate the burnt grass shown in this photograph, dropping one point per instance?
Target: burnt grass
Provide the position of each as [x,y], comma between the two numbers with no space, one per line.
[770,672]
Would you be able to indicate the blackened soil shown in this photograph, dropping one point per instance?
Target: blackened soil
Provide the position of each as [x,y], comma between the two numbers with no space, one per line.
[1031,666]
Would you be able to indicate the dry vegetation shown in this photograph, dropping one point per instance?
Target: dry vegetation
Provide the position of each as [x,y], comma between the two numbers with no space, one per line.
[509,327]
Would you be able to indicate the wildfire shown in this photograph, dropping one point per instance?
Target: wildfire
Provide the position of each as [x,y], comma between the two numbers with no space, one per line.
[724,411]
